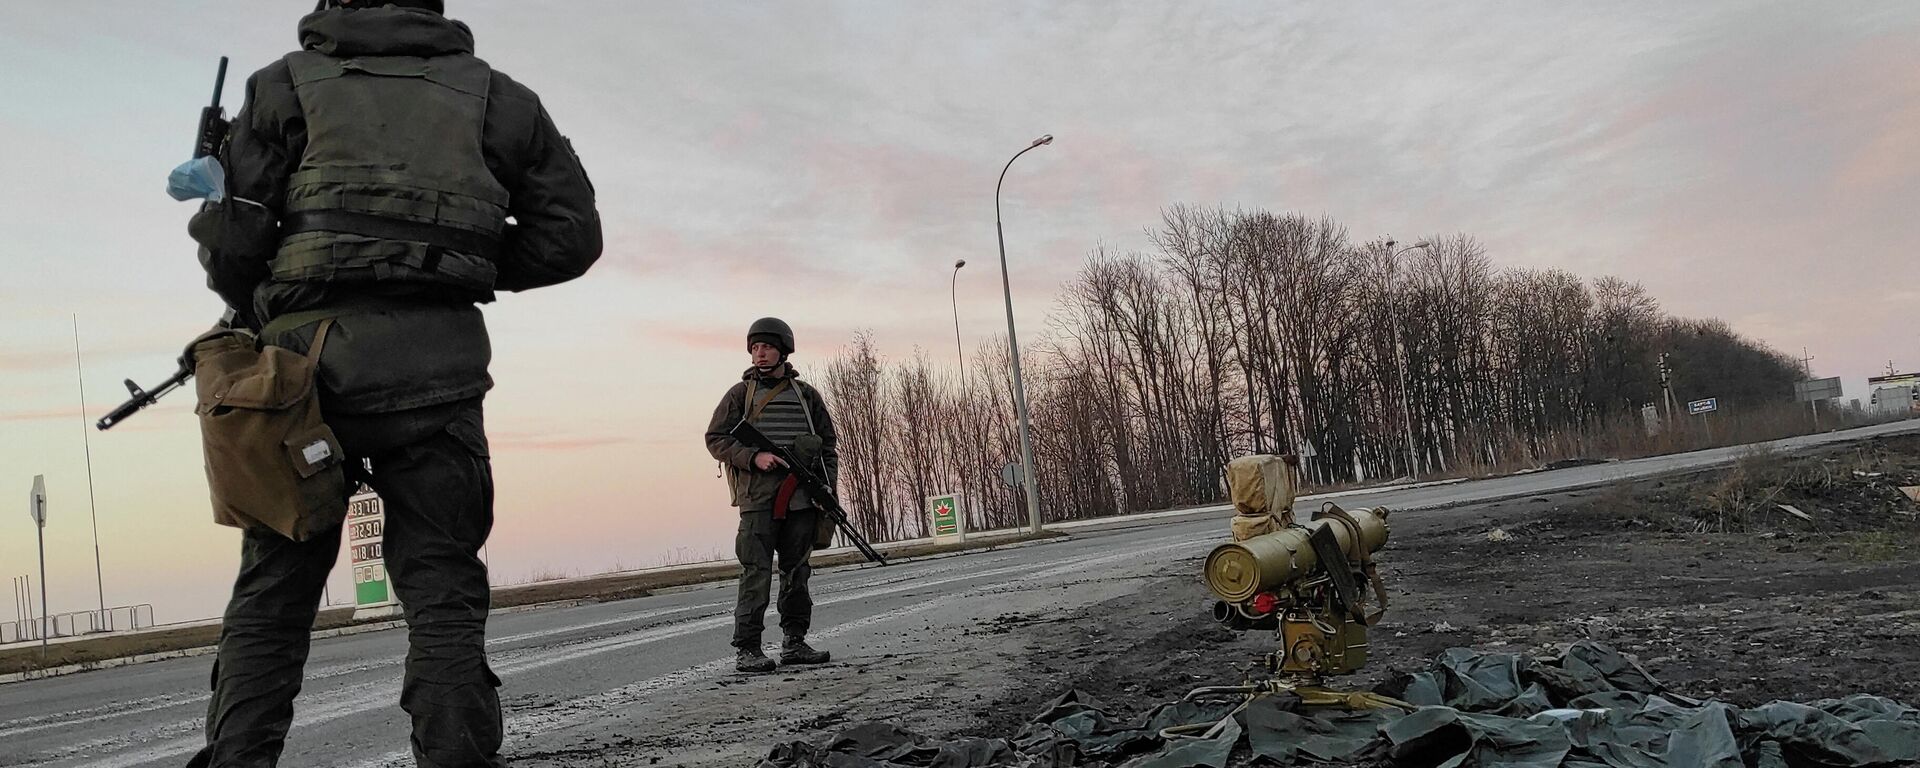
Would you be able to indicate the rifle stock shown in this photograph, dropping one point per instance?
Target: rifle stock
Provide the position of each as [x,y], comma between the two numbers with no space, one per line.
[816,487]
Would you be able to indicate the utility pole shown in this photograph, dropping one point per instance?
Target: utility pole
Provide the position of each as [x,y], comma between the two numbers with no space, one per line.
[26,603]
[1400,338]
[1666,385]
[99,580]
[1806,373]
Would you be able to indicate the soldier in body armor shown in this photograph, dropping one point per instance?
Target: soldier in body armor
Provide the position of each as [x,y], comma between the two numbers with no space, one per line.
[778,523]
[371,177]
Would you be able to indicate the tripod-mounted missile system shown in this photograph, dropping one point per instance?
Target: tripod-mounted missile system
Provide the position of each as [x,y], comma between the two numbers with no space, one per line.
[1311,582]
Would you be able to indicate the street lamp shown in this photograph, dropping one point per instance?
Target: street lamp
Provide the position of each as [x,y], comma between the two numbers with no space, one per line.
[954,289]
[1406,399]
[1013,345]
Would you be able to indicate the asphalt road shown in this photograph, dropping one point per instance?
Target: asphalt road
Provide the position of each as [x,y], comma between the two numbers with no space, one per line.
[577,674]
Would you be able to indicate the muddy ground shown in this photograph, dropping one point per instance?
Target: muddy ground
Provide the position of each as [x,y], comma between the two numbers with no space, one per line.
[1719,592]
[1715,589]
[1702,577]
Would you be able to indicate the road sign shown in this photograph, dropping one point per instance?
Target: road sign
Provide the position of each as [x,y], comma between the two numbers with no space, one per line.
[944,512]
[1010,474]
[1698,407]
[366,534]
[37,506]
[1816,389]
[37,501]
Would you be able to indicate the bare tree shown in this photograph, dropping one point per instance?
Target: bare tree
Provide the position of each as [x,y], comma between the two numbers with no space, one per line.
[1248,331]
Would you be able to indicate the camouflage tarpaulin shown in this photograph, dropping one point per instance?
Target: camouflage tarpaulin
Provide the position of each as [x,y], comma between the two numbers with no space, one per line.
[1590,707]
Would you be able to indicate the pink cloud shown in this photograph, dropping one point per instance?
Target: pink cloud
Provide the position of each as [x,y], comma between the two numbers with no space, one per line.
[37,360]
[702,337]
[1886,156]
[526,441]
[41,414]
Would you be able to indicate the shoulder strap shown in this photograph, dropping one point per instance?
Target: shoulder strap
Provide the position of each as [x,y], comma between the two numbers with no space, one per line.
[319,340]
[754,413]
[806,406]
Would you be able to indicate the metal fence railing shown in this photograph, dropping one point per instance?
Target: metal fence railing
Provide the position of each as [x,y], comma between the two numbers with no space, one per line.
[120,619]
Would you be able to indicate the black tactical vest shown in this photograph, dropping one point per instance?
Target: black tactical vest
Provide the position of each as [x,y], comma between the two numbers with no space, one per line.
[393,184]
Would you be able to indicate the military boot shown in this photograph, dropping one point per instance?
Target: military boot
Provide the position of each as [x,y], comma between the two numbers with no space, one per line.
[796,651]
[753,660]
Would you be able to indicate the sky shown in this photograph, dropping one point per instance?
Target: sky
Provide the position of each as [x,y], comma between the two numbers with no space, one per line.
[827,162]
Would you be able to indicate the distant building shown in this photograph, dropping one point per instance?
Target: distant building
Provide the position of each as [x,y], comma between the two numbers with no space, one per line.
[1894,394]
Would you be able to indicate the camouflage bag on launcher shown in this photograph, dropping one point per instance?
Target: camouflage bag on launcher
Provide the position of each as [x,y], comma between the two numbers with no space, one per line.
[271,462]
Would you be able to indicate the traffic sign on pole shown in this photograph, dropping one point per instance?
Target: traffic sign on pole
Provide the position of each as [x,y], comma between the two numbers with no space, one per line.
[1817,389]
[37,506]
[37,501]
[1011,475]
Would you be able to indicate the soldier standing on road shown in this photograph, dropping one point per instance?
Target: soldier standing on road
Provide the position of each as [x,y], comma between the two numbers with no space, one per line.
[371,176]
[778,523]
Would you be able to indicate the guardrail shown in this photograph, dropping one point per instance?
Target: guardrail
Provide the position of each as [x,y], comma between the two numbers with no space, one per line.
[120,619]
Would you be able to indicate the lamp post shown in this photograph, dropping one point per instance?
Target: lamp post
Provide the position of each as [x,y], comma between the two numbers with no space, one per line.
[1406,398]
[1013,345]
[954,289]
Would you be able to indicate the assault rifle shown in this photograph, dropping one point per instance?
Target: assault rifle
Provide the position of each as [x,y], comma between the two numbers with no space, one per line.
[142,398]
[817,489]
[208,136]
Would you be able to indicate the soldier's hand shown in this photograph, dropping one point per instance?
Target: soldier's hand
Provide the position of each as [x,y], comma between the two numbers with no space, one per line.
[765,461]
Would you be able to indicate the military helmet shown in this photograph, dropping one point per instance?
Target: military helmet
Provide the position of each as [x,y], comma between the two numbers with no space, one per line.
[774,331]
[437,6]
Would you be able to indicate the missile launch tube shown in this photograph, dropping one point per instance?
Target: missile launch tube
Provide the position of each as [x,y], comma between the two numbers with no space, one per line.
[1237,571]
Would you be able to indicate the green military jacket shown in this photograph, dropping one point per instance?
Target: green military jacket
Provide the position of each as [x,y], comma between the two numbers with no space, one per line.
[750,488]
[410,335]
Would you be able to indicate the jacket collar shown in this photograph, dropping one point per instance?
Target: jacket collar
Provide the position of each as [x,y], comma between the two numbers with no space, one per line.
[786,371]
[384,31]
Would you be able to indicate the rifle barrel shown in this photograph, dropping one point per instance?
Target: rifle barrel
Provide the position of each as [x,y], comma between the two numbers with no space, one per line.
[142,398]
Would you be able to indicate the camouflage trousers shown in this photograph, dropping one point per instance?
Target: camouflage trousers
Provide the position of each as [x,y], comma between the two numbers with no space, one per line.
[431,468]
[761,542]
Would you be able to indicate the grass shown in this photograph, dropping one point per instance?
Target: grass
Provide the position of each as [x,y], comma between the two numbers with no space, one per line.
[1879,546]
[1743,491]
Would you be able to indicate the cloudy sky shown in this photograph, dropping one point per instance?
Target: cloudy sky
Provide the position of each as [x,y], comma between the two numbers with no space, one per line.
[827,163]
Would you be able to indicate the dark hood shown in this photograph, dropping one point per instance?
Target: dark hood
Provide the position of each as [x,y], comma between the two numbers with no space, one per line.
[384,31]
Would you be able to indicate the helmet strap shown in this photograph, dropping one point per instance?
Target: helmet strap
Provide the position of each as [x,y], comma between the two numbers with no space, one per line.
[768,370]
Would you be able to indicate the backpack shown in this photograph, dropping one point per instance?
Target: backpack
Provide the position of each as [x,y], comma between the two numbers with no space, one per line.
[271,462]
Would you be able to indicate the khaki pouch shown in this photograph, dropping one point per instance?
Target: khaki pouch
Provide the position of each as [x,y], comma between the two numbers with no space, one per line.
[823,531]
[271,462]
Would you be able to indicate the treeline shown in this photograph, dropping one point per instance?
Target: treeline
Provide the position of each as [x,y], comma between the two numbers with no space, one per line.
[1248,331]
